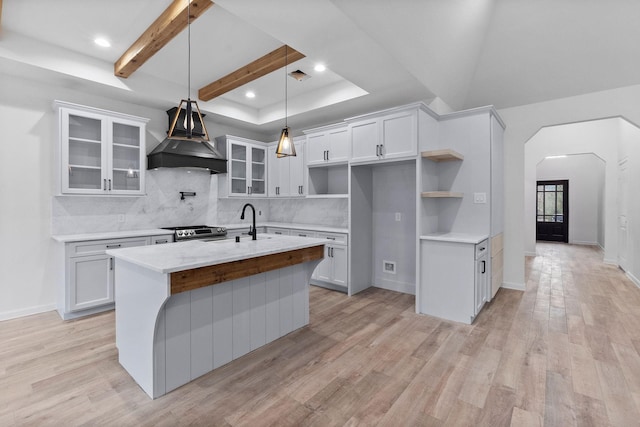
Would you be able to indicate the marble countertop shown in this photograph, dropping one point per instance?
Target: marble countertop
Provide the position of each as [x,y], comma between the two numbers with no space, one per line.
[456,237]
[83,237]
[68,238]
[198,253]
[292,226]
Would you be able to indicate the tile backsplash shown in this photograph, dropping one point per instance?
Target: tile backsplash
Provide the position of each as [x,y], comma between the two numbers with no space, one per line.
[162,207]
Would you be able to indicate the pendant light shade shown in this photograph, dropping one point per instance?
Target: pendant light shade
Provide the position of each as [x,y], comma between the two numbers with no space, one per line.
[285,146]
[188,110]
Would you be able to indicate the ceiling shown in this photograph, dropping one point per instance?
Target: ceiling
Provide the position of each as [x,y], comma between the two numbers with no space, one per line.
[379,54]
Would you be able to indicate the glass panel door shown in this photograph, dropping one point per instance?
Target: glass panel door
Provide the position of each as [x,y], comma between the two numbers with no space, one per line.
[125,157]
[258,170]
[84,160]
[552,210]
[238,172]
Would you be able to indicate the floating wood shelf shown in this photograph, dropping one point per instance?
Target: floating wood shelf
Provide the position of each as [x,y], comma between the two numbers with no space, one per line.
[450,194]
[442,155]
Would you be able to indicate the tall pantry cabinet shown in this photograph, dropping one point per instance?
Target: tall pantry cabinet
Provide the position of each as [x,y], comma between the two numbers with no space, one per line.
[461,211]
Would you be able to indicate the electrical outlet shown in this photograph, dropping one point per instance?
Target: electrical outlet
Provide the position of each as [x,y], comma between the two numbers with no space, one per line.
[398,216]
[479,197]
[121,218]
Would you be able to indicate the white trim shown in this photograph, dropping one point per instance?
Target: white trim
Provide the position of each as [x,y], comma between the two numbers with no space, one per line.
[514,286]
[405,288]
[26,311]
[610,261]
[64,104]
[579,242]
[633,278]
[526,253]
[600,246]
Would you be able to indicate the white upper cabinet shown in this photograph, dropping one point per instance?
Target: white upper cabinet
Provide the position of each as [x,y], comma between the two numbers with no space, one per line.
[328,145]
[246,167]
[100,152]
[286,174]
[390,136]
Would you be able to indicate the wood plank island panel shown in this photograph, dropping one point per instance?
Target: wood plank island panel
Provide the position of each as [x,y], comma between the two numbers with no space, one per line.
[188,280]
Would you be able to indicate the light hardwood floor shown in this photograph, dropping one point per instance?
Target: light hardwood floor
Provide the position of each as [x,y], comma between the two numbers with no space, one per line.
[563,353]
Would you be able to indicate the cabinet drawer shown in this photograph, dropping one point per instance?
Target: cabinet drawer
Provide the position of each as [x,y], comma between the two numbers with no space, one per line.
[482,248]
[303,233]
[99,246]
[335,237]
[158,240]
[278,231]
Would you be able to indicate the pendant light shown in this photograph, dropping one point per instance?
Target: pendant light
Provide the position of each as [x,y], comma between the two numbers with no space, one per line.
[191,107]
[285,144]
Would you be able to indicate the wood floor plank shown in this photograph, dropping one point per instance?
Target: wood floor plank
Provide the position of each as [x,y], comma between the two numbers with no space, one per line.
[564,352]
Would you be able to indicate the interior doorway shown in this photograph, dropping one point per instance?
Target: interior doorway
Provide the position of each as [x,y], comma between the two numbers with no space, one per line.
[552,211]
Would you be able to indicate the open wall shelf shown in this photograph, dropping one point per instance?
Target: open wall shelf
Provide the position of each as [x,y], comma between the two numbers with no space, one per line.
[445,155]
[441,194]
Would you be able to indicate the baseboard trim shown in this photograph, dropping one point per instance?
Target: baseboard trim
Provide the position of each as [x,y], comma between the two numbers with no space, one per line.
[7,315]
[404,288]
[514,286]
[579,242]
[610,261]
[530,254]
[633,278]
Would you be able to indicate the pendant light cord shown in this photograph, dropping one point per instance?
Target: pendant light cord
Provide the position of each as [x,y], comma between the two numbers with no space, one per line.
[286,85]
[189,49]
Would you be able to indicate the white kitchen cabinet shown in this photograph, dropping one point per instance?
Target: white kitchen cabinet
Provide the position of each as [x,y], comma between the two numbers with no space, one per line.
[100,152]
[454,278]
[87,283]
[393,135]
[327,145]
[333,271]
[246,167]
[286,176]
[461,175]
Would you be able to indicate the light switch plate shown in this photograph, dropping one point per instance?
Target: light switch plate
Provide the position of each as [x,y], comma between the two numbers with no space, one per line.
[479,197]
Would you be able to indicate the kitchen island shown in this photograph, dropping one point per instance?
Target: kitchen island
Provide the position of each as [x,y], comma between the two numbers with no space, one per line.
[184,309]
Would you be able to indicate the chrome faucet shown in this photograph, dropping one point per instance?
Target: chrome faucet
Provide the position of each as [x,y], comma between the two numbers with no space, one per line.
[252,231]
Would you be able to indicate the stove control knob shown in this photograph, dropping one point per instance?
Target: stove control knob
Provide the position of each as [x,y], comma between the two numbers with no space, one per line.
[179,232]
[219,229]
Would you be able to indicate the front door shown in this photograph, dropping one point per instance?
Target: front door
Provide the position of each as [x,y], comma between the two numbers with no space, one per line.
[552,208]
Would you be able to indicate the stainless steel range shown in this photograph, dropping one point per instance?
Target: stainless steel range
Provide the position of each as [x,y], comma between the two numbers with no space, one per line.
[201,232]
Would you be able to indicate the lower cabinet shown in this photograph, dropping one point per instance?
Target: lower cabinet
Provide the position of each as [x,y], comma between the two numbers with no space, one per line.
[454,282]
[333,270]
[88,283]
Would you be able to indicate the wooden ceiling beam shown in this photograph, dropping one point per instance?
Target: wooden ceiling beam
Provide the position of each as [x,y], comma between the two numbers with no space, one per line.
[260,67]
[169,24]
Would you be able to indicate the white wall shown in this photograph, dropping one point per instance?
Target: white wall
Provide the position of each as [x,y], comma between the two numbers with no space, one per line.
[585,173]
[394,191]
[522,123]
[630,150]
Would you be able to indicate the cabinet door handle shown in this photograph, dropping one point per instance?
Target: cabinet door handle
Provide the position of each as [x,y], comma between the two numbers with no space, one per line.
[331,238]
[381,150]
[111,264]
[104,184]
[114,246]
[109,185]
[161,241]
[377,150]
[484,267]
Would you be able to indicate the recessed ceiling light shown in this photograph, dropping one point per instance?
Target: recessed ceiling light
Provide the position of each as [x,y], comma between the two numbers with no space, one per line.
[102,42]
[319,68]
[250,94]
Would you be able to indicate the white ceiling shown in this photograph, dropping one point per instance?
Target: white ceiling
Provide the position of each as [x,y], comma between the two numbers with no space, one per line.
[378,53]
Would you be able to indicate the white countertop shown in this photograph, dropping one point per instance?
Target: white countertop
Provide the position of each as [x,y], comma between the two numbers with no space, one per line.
[198,253]
[67,238]
[455,237]
[83,237]
[293,226]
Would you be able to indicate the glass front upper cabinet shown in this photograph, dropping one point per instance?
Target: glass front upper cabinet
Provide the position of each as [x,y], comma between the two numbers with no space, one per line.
[101,152]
